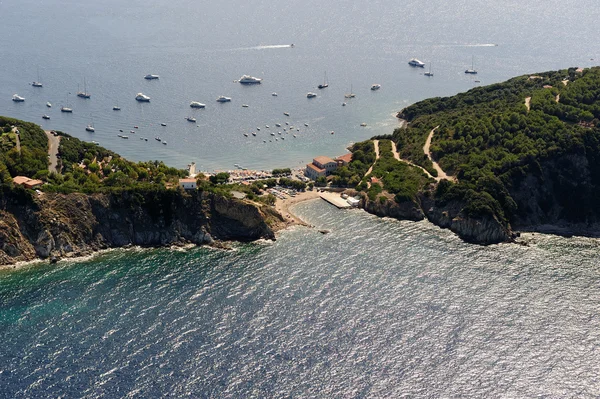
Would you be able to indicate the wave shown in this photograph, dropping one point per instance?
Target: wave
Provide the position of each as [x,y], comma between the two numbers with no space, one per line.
[263,47]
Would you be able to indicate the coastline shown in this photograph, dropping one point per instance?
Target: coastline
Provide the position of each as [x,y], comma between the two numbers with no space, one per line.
[289,218]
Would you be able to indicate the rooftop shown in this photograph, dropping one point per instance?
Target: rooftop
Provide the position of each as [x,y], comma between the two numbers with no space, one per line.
[188,180]
[345,158]
[323,160]
[315,168]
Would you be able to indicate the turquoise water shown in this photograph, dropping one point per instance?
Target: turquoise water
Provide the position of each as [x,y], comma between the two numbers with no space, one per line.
[376,308]
[199,48]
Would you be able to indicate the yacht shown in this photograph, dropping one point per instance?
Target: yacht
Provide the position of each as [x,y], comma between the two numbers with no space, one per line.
[90,128]
[416,63]
[430,73]
[247,79]
[17,98]
[37,84]
[190,119]
[196,104]
[472,71]
[45,117]
[66,109]
[141,97]
[223,99]
[311,95]
[376,87]
[116,108]
[244,105]
[351,94]
[163,124]
[48,104]
[151,77]
[274,94]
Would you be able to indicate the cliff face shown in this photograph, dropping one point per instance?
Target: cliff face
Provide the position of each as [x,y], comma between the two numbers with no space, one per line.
[77,224]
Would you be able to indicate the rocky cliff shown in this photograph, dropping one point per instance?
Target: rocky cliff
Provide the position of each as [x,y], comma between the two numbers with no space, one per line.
[57,225]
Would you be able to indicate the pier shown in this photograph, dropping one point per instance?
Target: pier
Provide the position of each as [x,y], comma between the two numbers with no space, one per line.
[335,200]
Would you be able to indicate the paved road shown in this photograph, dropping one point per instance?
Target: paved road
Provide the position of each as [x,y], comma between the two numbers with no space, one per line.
[53,142]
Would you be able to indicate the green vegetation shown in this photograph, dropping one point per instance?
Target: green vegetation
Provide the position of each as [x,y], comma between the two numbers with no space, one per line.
[33,155]
[363,156]
[495,147]
[281,172]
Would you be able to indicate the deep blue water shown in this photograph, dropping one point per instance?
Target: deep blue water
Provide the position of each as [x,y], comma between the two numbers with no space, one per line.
[377,308]
[199,48]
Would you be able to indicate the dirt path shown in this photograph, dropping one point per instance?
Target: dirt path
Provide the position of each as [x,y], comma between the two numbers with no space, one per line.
[397,156]
[441,174]
[528,103]
[376,144]
[565,82]
[557,97]
[53,142]
[15,130]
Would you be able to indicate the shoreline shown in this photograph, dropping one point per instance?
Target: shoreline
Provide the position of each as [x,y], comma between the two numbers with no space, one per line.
[289,218]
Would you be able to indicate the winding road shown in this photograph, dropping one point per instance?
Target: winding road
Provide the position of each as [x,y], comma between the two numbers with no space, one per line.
[441,174]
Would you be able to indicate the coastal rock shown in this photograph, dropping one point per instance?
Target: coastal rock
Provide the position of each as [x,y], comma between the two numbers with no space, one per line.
[407,210]
[64,225]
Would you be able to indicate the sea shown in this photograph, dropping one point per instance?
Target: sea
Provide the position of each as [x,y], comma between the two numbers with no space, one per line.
[376,308]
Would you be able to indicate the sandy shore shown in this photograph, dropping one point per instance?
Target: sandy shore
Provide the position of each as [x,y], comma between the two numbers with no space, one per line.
[283,207]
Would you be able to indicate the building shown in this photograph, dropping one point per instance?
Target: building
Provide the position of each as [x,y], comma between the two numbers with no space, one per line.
[188,184]
[313,172]
[344,160]
[27,182]
[320,166]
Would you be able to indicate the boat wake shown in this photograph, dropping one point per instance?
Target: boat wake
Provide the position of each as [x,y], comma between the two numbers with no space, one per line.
[264,47]
[469,45]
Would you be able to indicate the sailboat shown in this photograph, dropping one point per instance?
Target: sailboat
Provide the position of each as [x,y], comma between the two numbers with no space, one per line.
[351,94]
[472,71]
[325,83]
[116,107]
[429,73]
[37,83]
[66,108]
[84,93]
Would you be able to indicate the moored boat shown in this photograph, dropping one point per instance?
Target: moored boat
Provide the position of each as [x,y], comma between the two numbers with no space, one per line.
[141,97]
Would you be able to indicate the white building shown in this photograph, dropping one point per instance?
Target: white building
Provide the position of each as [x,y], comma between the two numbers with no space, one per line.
[188,184]
[320,166]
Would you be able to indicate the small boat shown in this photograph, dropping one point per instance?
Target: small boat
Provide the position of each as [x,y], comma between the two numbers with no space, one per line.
[477,81]
[163,124]
[45,117]
[164,142]
[190,119]
[37,83]
[376,87]
[223,99]
[472,71]
[325,82]
[278,124]
[258,129]
[121,130]
[247,79]
[246,134]
[274,94]
[245,105]
[287,123]
[311,95]
[292,45]
[141,97]
[343,104]
[95,142]
[132,131]
[272,134]
[196,104]
[116,108]
[17,98]
[416,63]
[283,138]
[286,114]
[363,124]
[332,132]
[253,133]
[66,109]
[48,104]
[294,136]
[90,128]
[306,124]
[429,73]
[84,93]
[136,127]
[125,137]
[151,77]
[157,138]
[267,126]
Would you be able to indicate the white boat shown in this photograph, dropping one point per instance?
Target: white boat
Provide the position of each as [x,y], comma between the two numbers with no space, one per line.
[45,117]
[472,71]
[274,94]
[84,93]
[351,94]
[416,63]
[247,79]
[306,124]
[190,119]
[343,104]
[363,124]
[196,104]
[286,114]
[48,104]
[116,108]
[163,124]
[278,124]
[223,99]
[244,105]
[151,77]
[17,98]
[254,134]
[90,128]
[311,95]
[66,109]
[376,87]
[142,98]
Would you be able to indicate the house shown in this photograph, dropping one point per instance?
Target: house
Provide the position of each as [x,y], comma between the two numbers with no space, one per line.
[188,184]
[27,182]
[320,166]
[344,160]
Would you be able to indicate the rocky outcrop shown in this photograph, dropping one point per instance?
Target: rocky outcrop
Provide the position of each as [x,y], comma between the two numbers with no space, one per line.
[57,225]
[407,210]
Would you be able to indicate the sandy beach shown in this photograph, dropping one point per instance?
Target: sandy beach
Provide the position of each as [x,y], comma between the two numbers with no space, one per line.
[283,207]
